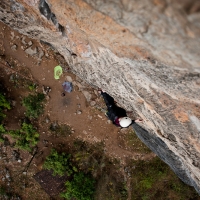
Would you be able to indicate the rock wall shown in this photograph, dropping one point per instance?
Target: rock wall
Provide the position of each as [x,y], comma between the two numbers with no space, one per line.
[146,54]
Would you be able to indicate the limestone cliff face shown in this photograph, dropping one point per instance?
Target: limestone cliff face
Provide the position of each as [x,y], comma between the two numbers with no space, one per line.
[145,53]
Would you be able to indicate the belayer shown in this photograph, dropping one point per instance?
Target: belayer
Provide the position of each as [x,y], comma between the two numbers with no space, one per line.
[116,114]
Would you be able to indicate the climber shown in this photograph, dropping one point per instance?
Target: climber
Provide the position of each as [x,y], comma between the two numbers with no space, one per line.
[116,114]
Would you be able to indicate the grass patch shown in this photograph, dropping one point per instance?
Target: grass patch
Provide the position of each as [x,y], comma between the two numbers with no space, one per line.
[133,143]
[155,180]
[60,130]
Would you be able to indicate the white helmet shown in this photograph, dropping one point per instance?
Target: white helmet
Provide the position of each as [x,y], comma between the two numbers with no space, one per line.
[125,122]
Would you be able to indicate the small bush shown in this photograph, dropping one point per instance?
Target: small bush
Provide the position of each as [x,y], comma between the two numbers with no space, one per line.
[59,163]
[82,187]
[33,104]
[26,138]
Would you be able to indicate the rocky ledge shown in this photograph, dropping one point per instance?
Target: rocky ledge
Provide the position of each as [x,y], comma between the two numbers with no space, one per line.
[144,53]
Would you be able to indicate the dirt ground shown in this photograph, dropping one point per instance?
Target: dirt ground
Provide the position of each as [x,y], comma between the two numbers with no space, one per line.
[73,109]
[83,109]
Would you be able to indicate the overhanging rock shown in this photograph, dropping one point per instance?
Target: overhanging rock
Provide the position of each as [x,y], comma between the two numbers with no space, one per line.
[145,53]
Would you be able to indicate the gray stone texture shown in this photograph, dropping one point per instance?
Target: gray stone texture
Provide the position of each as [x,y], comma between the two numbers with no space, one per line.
[146,54]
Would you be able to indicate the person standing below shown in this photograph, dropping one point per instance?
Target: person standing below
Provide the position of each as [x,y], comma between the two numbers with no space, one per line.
[117,114]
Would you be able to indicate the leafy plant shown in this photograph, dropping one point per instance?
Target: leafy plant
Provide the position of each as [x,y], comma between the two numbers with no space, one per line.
[33,104]
[59,163]
[82,187]
[26,138]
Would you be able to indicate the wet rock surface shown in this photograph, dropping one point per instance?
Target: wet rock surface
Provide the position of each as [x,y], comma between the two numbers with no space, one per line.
[145,54]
